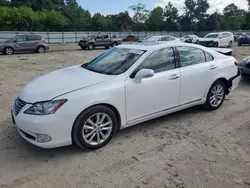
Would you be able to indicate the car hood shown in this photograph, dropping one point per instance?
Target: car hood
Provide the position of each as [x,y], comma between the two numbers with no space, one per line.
[60,82]
[208,39]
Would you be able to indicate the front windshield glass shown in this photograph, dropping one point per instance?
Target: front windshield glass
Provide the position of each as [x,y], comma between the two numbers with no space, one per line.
[90,37]
[211,36]
[152,39]
[12,39]
[114,61]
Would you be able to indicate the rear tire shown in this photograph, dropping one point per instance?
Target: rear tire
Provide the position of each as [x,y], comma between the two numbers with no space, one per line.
[216,44]
[83,48]
[8,51]
[215,96]
[106,47]
[239,44]
[90,123]
[115,44]
[41,49]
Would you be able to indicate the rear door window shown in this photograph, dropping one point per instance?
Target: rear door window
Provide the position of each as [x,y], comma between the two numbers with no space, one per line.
[33,37]
[191,56]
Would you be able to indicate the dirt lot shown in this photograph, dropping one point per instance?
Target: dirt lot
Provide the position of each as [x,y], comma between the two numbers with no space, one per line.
[192,148]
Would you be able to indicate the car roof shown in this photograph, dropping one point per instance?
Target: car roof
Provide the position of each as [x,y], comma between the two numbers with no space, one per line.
[151,46]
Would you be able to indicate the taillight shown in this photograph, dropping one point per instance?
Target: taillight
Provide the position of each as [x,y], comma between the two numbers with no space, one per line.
[44,41]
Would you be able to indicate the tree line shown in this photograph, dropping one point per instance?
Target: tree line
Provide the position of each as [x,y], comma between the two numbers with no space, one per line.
[61,15]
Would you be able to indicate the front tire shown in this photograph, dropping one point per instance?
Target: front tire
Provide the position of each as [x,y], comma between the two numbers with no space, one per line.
[94,127]
[239,44]
[91,46]
[230,44]
[83,47]
[8,51]
[215,96]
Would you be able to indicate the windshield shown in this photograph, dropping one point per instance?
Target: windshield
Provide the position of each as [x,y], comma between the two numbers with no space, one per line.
[212,36]
[151,39]
[90,37]
[12,39]
[114,61]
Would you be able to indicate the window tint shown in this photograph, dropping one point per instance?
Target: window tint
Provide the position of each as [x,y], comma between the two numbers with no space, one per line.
[21,39]
[191,56]
[163,39]
[208,57]
[33,37]
[159,61]
[98,37]
[170,38]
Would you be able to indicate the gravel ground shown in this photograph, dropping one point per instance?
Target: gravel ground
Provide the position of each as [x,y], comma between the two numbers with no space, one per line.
[192,148]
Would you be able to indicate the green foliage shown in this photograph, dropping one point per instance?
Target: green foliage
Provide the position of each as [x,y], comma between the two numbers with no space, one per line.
[171,17]
[24,18]
[155,20]
[58,15]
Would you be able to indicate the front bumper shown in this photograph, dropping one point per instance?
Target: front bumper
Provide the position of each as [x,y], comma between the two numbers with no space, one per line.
[82,44]
[245,71]
[57,127]
[208,43]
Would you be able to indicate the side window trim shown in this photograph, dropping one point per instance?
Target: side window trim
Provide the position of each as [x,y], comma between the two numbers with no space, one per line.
[206,56]
[132,75]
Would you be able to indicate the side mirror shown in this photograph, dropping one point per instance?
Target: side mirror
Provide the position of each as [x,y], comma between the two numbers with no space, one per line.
[144,73]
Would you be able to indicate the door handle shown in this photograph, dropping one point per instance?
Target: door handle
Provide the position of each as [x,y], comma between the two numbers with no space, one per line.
[212,67]
[173,77]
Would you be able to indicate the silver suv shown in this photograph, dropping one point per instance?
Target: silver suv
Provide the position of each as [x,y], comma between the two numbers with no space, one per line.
[22,43]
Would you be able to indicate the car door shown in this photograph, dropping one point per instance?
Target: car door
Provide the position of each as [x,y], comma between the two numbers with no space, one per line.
[198,70]
[225,39]
[157,93]
[106,40]
[21,43]
[99,40]
[32,42]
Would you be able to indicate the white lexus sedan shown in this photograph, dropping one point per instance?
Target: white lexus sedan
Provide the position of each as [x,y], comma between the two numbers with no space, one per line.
[128,84]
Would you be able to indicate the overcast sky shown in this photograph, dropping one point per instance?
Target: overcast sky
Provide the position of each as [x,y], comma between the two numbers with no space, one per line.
[116,6]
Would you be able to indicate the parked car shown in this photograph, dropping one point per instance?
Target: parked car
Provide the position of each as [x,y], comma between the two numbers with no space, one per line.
[93,41]
[131,38]
[222,39]
[160,38]
[23,43]
[86,104]
[190,39]
[244,66]
[244,40]
[237,35]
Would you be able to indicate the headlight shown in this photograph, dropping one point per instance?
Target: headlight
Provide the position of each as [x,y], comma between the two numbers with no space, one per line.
[45,108]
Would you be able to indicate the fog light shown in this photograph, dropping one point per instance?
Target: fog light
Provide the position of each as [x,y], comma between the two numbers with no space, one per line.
[42,138]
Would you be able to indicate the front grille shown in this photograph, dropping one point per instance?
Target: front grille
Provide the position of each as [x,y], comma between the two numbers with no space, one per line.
[19,104]
[207,44]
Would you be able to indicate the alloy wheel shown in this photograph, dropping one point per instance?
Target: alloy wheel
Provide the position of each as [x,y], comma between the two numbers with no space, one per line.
[41,50]
[216,95]
[9,51]
[97,129]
